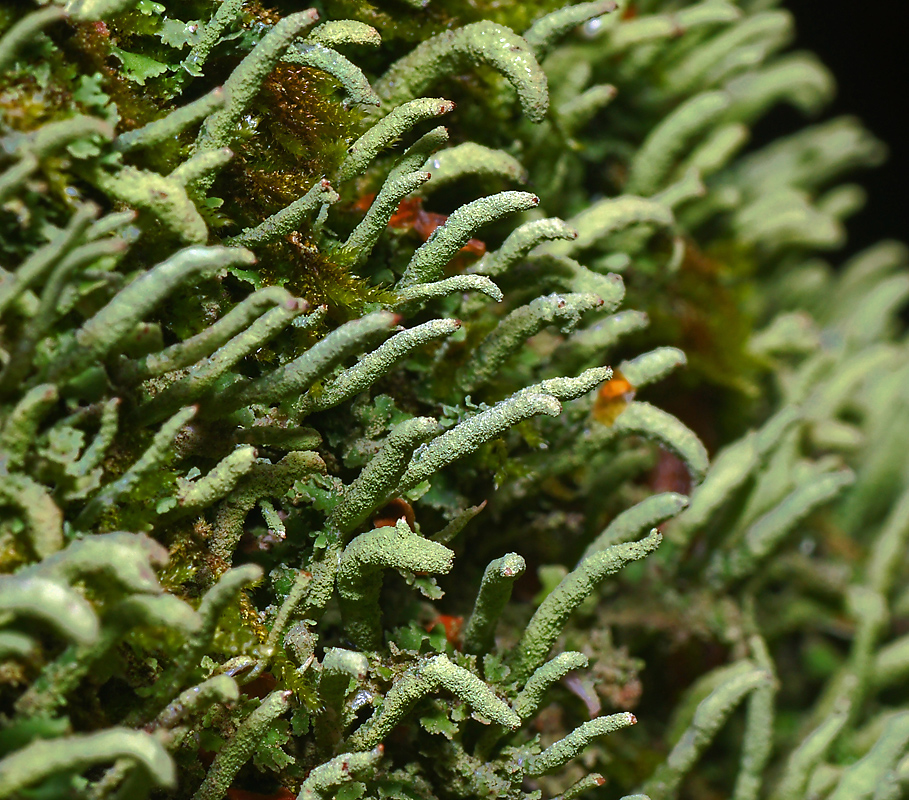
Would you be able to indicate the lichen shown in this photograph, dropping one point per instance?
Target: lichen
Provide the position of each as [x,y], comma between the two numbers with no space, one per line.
[346,454]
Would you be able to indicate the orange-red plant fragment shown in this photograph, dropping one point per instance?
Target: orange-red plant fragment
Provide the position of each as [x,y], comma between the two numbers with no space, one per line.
[613,398]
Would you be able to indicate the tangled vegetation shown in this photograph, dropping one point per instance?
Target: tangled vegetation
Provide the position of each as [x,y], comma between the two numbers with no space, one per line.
[396,396]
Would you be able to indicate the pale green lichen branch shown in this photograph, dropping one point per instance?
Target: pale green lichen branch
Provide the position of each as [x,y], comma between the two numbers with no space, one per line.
[592,781]
[654,27]
[363,238]
[162,130]
[757,741]
[299,375]
[681,193]
[239,318]
[264,480]
[22,356]
[290,218]
[416,155]
[160,195]
[44,757]
[809,754]
[159,452]
[473,159]
[600,220]
[35,147]
[15,645]
[638,519]
[799,78]
[378,479]
[445,241]
[494,594]
[889,548]
[317,56]
[387,131]
[545,33]
[360,575]
[514,330]
[213,604]
[56,605]
[421,681]
[873,774]
[520,242]
[752,37]
[20,427]
[345,31]
[549,620]
[373,366]
[228,12]
[202,377]
[574,744]
[45,258]
[587,344]
[653,423]
[217,689]
[296,594]
[124,560]
[104,438]
[717,150]
[414,297]
[240,747]
[244,83]
[766,533]
[730,469]
[667,142]
[103,331]
[322,783]
[63,676]
[528,701]
[468,435]
[219,482]
[450,52]
[200,166]
[24,31]
[575,113]
[710,716]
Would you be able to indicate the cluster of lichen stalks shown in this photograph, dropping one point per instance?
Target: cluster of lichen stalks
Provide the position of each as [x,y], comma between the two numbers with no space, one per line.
[205,480]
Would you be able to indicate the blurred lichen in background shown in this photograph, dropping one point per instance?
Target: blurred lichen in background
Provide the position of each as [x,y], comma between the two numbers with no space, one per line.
[397,396]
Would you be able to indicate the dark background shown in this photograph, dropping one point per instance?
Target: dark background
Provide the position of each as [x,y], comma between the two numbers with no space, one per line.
[867,49]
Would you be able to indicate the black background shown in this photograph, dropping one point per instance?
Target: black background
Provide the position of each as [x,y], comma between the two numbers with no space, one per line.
[867,49]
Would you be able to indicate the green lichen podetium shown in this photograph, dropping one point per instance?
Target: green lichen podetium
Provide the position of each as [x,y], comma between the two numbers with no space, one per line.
[396,397]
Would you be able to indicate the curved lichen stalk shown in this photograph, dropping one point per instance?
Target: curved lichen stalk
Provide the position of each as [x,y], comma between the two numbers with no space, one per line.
[448,52]
[550,618]
[437,672]
[43,758]
[360,575]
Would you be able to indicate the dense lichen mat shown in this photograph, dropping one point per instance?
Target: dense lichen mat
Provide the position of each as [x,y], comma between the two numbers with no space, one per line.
[442,400]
